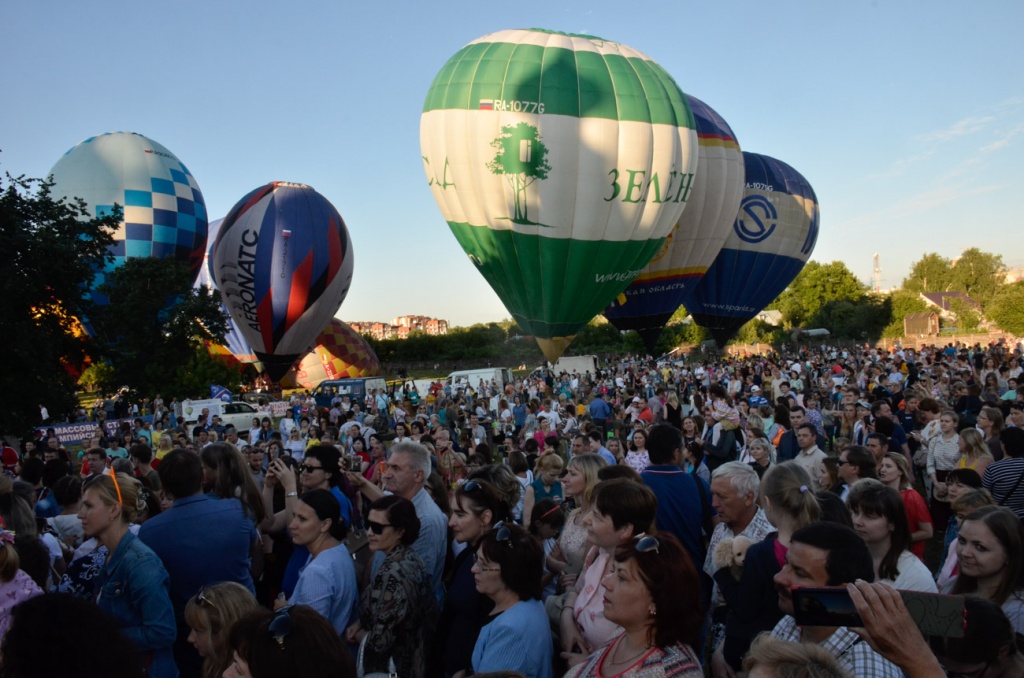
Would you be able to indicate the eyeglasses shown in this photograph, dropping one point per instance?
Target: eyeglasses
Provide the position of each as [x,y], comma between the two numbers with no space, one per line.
[646,543]
[280,625]
[306,468]
[377,528]
[204,599]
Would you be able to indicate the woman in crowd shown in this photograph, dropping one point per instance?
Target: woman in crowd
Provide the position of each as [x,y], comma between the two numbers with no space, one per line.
[227,476]
[615,447]
[516,636]
[674,411]
[295,445]
[67,526]
[894,472]
[294,641]
[991,423]
[828,479]
[263,435]
[132,584]
[847,421]
[545,526]
[566,558]
[692,429]
[880,519]
[652,592]
[210,614]
[476,508]
[694,461]
[988,648]
[546,485]
[637,457]
[516,462]
[397,611]
[943,457]
[327,580]
[990,550]
[974,453]
[254,431]
[964,503]
[761,454]
[621,509]
[789,504]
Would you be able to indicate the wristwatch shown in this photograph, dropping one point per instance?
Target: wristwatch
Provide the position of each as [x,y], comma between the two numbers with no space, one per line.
[291,494]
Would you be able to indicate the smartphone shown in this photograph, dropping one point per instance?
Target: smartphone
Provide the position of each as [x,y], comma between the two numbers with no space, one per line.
[935,614]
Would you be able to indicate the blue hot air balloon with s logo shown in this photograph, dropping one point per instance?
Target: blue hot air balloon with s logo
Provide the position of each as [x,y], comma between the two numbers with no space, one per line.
[771,239]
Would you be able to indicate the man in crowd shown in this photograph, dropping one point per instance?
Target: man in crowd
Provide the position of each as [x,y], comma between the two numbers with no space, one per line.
[596,441]
[810,456]
[788,447]
[1004,478]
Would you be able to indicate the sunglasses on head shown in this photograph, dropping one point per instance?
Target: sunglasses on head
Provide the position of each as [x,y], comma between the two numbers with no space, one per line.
[646,543]
[204,599]
[280,625]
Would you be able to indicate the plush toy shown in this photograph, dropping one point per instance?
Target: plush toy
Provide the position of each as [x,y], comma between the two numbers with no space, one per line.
[731,552]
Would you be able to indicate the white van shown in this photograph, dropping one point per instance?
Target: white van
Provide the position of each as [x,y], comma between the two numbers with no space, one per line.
[472,378]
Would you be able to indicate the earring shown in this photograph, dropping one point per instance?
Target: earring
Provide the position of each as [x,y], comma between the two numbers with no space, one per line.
[654,611]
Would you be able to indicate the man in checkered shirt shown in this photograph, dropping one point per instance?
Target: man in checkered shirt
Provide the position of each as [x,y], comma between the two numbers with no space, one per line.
[828,554]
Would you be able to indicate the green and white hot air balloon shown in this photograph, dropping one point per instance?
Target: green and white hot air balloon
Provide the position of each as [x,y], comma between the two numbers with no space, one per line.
[561,163]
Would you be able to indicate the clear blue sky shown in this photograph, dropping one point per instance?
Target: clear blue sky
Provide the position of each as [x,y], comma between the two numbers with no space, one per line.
[907,118]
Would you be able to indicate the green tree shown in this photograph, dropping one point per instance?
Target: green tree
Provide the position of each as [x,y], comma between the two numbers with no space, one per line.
[979,274]
[155,325]
[522,158]
[967,317]
[51,250]
[817,285]
[930,273]
[1007,308]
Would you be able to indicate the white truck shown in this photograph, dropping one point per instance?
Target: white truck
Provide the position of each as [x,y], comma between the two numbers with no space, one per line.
[472,378]
[580,364]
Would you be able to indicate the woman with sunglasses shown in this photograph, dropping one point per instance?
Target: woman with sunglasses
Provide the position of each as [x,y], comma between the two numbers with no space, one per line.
[653,593]
[476,507]
[516,635]
[210,615]
[133,585]
[327,579]
[622,508]
[397,611]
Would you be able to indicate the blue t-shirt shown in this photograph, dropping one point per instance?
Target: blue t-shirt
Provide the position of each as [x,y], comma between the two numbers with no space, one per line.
[328,584]
[679,506]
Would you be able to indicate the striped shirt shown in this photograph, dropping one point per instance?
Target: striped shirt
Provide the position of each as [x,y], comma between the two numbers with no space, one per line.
[1003,479]
[943,455]
[852,653]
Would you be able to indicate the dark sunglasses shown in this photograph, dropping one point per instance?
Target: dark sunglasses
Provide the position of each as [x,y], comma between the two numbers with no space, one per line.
[377,528]
[280,625]
[646,543]
[306,468]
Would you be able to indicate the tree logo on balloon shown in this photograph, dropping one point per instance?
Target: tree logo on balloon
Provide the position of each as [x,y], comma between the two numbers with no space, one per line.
[522,158]
[760,221]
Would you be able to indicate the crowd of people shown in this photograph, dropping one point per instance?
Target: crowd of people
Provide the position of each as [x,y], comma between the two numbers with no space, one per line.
[669,518]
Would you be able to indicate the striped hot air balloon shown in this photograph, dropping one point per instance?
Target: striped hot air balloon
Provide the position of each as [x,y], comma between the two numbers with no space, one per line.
[658,291]
[283,262]
[561,163]
[340,353]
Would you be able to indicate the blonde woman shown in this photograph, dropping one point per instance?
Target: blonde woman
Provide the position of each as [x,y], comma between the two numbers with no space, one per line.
[566,558]
[210,614]
[894,472]
[974,453]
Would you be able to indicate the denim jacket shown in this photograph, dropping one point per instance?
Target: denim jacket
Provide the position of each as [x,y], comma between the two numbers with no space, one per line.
[133,589]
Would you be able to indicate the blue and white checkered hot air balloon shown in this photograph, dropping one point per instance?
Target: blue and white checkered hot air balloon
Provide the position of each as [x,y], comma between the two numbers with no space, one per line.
[164,210]
[771,240]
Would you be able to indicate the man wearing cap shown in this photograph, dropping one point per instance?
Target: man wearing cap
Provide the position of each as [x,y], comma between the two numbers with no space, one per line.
[756,399]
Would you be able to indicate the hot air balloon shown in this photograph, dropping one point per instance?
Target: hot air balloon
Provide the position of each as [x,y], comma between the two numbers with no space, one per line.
[561,163]
[164,210]
[234,343]
[340,353]
[655,294]
[283,261]
[771,239]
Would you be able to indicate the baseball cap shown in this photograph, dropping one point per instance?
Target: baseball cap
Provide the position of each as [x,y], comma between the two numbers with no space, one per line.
[755,389]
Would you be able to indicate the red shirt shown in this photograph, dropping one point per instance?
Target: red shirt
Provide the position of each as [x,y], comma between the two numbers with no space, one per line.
[917,512]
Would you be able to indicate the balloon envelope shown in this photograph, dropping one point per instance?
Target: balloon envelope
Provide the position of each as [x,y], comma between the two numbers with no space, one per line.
[234,343]
[164,210]
[340,353]
[655,294]
[561,163]
[283,261]
[772,237]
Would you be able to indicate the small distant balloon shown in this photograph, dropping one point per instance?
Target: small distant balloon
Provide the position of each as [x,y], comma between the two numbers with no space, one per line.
[772,238]
[560,163]
[283,261]
[164,210]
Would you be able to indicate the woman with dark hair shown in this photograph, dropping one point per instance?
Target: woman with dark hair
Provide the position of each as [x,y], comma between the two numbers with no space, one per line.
[694,461]
[653,593]
[991,423]
[398,610]
[91,643]
[880,519]
[226,476]
[621,509]
[988,648]
[476,507]
[327,580]
[692,429]
[990,551]
[294,641]
[508,570]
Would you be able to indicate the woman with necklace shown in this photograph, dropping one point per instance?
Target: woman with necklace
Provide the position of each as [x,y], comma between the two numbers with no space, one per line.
[652,592]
